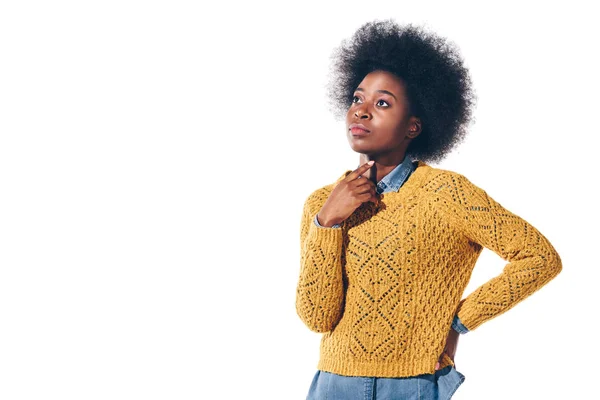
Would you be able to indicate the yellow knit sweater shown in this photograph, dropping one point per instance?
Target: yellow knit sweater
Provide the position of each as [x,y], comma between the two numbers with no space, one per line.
[384,287]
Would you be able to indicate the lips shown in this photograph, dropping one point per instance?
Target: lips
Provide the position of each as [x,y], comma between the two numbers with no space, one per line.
[358,129]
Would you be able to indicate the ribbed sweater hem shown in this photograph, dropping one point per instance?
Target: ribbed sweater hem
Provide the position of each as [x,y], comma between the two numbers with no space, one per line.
[379,368]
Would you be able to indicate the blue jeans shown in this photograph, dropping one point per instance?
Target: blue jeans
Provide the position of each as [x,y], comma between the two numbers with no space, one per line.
[438,386]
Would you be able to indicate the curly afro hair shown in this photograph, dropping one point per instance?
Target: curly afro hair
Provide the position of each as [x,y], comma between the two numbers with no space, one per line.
[438,85]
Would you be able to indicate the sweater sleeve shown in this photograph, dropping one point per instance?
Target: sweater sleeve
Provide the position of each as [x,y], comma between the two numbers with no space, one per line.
[532,260]
[320,290]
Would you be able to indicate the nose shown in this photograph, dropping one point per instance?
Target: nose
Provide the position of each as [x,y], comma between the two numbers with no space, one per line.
[362,113]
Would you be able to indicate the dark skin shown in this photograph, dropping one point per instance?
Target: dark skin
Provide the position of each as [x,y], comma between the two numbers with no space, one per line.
[381,106]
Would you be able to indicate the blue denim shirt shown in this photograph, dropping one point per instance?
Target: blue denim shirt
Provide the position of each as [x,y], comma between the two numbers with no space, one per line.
[440,385]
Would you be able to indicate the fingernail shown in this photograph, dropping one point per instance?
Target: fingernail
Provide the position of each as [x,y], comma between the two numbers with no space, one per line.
[371,162]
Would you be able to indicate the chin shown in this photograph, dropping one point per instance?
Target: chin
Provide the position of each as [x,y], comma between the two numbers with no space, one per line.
[357,146]
[361,149]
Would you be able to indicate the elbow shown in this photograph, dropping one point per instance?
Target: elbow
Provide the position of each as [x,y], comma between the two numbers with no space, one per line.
[553,265]
[321,327]
[556,264]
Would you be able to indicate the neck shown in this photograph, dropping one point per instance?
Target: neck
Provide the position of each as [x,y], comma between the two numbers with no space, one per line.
[383,164]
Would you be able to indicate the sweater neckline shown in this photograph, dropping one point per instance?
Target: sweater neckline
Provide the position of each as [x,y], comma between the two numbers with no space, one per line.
[414,181]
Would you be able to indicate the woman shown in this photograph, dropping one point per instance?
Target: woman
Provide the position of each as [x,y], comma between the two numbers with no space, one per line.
[388,248]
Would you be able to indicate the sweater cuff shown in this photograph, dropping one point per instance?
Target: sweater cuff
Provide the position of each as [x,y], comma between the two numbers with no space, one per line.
[458,326]
[321,226]
[323,237]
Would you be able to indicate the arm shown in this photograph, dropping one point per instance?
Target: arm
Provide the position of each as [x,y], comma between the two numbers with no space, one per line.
[532,260]
[458,326]
[320,291]
[318,224]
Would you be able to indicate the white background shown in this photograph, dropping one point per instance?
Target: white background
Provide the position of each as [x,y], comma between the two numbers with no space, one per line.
[155,157]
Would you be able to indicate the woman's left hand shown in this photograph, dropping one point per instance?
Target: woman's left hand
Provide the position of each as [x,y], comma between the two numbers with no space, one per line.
[450,349]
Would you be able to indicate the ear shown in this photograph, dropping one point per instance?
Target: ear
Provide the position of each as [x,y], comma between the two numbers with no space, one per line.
[414,127]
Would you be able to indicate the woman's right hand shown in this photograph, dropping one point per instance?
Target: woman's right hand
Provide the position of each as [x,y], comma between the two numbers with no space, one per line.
[347,196]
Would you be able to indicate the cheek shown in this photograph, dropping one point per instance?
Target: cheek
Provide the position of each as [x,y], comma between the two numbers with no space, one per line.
[396,123]
[349,113]
[392,130]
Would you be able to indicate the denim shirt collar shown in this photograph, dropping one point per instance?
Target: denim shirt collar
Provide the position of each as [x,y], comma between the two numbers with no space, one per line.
[396,177]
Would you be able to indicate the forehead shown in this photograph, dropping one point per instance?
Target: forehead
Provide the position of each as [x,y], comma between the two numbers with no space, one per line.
[382,80]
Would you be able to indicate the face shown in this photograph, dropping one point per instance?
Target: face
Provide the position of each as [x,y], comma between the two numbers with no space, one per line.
[378,122]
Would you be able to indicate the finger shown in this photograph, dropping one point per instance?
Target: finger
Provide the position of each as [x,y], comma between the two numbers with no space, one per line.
[365,189]
[368,197]
[362,185]
[359,171]
[439,361]
[363,198]
[362,181]
[362,189]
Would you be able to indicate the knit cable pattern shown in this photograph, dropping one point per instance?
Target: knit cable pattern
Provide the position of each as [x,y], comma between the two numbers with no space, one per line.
[384,287]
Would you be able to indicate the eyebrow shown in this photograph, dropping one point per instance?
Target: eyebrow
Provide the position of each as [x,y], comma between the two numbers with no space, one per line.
[378,91]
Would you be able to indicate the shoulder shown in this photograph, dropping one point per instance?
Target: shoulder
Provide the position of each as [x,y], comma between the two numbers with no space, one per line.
[453,184]
[443,174]
[437,179]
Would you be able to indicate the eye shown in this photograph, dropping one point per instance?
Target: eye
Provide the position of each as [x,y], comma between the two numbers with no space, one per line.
[355,99]
[385,103]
